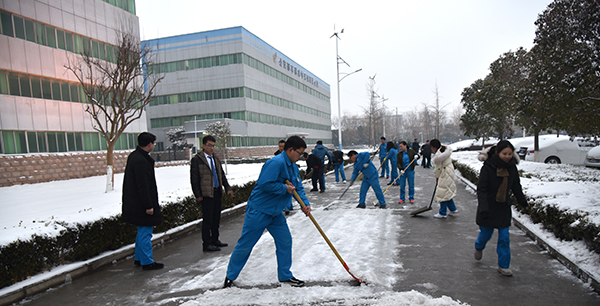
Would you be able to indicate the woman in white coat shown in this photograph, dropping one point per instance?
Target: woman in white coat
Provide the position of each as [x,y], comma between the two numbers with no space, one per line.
[444,174]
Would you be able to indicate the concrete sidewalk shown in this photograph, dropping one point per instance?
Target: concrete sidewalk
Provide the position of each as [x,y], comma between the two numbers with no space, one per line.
[436,257]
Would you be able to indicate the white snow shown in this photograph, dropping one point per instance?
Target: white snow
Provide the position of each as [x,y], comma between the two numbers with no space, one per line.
[39,208]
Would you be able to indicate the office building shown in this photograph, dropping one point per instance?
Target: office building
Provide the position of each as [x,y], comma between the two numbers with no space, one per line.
[234,76]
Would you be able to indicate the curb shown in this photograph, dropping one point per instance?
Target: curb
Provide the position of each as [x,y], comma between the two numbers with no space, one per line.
[81,269]
[580,273]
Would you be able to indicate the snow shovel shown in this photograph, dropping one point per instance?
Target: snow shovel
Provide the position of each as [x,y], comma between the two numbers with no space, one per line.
[325,237]
[426,208]
[401,173]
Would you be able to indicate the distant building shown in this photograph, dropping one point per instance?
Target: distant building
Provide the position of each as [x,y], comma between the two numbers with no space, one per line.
[42,106]
[232,75]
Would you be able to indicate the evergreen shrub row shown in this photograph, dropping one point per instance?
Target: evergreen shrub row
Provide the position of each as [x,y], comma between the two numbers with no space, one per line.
[22,259]
[565,225]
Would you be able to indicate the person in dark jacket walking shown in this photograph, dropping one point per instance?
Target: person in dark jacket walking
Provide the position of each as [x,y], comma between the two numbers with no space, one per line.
[320,151]
[426,153]
[338,163]
[316,166]
[208,181]
[415,145]
[140,200]
[497,178]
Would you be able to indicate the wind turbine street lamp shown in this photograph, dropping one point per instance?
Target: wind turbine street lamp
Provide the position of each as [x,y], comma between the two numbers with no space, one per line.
[338,59]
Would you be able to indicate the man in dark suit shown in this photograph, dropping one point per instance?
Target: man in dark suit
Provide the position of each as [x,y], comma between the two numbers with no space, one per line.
[140,200]
[208,180]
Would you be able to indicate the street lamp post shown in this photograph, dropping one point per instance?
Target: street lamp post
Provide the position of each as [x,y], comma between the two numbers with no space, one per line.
[338,59]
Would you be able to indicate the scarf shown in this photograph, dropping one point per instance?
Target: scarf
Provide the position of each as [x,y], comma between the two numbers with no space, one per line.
[501,171]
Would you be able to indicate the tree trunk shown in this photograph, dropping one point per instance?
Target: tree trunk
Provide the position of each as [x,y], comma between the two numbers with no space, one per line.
[110,175]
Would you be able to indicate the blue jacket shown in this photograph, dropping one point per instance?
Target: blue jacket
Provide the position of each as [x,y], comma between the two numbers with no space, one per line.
[383,150]
[320,151]
[363,159]
[270,194]
[392,157]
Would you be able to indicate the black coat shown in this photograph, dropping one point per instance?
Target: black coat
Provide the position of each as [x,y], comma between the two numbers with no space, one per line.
[139,190]
[491,213]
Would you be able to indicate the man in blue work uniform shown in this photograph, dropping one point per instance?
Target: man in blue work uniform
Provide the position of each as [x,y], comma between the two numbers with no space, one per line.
[265,211]
[383,153]
[405,158]
[320,151]
[363,163]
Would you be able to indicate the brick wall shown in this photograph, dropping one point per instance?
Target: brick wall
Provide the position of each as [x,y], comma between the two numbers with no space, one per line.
[46,167]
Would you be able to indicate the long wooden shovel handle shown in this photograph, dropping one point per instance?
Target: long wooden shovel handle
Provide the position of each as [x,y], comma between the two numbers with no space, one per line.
[297,196]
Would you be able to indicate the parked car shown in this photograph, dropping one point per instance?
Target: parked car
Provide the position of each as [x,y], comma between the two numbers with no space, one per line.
[554,149]
[593,157]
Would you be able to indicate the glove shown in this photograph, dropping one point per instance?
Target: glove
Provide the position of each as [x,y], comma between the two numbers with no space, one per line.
[402,173]
[365,165]
[416,157]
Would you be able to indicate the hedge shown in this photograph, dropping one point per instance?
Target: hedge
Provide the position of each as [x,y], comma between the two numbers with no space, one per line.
[22,259]
[563,224]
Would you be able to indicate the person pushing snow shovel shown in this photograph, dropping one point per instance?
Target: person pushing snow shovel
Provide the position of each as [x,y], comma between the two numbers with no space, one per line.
[362,163]
[444,174]
[265,211]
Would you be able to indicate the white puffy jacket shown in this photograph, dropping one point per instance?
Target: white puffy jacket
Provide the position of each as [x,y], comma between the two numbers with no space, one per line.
[444,172]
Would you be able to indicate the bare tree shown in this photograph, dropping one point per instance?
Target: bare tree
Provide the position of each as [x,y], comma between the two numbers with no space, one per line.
[221,131]
[114,89]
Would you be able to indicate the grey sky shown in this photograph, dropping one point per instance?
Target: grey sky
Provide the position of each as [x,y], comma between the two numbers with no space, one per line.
[410,45]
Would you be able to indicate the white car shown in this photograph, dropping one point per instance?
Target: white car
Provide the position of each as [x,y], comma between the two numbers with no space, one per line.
[553,149]
[593,157]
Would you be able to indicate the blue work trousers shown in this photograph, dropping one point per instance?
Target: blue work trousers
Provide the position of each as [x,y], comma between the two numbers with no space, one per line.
[502,248]
[364,187]
[385,167]
[447,205]
[255,223]
[409,176]
[339,168]
[143,245]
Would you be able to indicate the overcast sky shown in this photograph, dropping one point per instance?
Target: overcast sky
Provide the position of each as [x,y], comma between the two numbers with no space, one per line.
[409,45]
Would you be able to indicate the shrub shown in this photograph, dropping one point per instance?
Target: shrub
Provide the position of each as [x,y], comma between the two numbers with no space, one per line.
[22,259]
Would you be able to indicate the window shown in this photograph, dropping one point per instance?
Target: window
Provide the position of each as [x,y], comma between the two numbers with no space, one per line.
[71,141]
[74,92]
[41,141]
[6,24]
[86,46]
[8,139]
[19,27]
[36,89]
[3,83]
[62,141]
[13,84]
[40,31]
[101,52]
[65,92]
[52,147]
[69,41]
[46,91]
[32,142]
[60,39]
[50,37]
[29,30]
[95,47]
[77,44]
[55,92]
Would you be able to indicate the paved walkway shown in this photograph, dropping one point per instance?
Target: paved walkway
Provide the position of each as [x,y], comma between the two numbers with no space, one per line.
[436,257]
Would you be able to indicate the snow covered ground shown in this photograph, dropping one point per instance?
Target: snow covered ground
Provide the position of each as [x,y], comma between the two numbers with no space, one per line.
[41,208]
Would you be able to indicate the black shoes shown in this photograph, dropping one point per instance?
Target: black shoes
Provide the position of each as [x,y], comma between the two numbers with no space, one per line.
[314,189]
[220,244]
[137,263]
[294,282]
[361,206]
[322,190]
[211,248]
[153,266]
[228,283]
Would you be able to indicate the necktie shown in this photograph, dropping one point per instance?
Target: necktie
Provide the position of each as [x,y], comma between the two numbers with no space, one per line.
[214,172]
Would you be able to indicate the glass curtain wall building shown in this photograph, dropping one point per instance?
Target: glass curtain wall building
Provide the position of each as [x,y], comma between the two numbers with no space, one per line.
[42,105]
[234,75]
